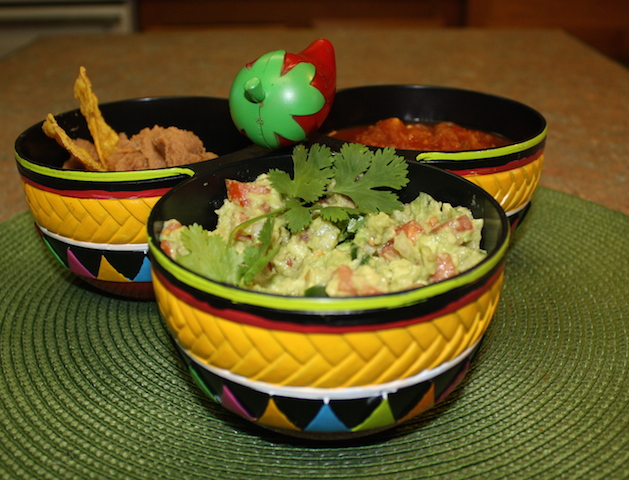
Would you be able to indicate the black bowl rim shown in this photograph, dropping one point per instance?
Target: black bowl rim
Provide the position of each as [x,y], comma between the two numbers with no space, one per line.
[465,159]
[335,305]
[132,180]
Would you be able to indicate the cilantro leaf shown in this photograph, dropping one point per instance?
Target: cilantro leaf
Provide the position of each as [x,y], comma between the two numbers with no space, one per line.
[312,173]
[359,173]
[336,214]
[258,256]
[210,255]
[356,172]
[297,215]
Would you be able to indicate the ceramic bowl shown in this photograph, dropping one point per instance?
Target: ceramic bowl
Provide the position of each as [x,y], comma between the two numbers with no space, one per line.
[326,368]
[510,173]
[95,222]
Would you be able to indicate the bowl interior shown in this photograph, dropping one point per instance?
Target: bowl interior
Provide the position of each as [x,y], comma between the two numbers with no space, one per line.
[196,200]
[416,103]
[207,117]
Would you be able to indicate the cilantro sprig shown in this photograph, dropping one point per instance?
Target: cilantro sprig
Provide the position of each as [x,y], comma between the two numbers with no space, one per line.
[360,173]
[364,176]
[312,174]
[215,258]
[355,172]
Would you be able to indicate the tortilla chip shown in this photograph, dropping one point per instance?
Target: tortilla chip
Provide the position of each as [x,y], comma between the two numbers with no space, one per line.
[53,130]
[105,138]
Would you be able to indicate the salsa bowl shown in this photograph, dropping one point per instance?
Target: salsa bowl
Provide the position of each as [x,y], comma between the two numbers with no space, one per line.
[321,367]
[509,173]
[94,223]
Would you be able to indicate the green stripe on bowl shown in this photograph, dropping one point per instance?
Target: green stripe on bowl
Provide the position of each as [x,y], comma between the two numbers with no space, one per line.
[324,304]
[104,177]
[481,154]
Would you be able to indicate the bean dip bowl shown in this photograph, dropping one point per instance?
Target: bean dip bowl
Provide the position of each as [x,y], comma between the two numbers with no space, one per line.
[94,222]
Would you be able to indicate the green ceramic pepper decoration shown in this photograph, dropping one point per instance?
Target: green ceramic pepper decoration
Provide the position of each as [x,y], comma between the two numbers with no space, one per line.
[281,98]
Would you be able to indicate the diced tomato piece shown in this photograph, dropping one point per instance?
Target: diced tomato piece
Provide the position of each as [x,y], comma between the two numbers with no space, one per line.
[411,229]
[265,207]
[459,224]
[167,247]
[388,252]
[347,286]
[238,192]
[433,222]
[170,226]
[445,268]
[344,274]
[463,223]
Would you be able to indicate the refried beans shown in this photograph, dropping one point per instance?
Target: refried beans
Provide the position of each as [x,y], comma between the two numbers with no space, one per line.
[155,147]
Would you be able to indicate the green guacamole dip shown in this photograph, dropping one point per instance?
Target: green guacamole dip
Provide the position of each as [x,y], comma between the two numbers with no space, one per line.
[425,242]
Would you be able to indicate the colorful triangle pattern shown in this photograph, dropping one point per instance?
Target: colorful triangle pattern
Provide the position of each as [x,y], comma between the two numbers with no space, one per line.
[326,421]
[325,416]
[108,266]
[76,266]
[273,417]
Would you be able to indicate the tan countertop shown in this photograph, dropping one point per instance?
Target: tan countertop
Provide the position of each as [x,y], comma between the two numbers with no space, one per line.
[583,95]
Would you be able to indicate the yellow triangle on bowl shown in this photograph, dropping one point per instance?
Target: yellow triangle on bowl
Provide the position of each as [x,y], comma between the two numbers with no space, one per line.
[108,273]
[275,418]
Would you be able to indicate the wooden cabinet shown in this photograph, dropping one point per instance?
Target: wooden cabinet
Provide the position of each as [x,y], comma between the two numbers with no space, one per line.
[603,24]
[164,14]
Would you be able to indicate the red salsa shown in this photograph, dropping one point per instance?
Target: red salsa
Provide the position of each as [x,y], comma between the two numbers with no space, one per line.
[443,136]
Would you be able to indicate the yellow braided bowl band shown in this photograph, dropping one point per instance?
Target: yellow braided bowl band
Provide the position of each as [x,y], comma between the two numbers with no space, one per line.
[318,341]
[94,220]
[513,188]
[307,356]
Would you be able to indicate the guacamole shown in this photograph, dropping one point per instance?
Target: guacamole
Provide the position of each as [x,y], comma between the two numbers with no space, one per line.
[423,242]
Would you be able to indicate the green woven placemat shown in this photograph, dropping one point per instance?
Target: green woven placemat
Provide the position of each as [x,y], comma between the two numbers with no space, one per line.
[91,387]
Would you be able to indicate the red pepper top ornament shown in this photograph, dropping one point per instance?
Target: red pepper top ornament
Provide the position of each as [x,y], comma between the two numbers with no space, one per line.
[281,98]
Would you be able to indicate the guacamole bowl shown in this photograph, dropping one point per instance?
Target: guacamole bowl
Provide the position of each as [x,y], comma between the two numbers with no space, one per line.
[509,173]
[317,367]
[94,223]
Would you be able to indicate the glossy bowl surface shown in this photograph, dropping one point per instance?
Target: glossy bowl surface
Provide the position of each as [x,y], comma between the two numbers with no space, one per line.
[279,361]
[95,222]
[510,173]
